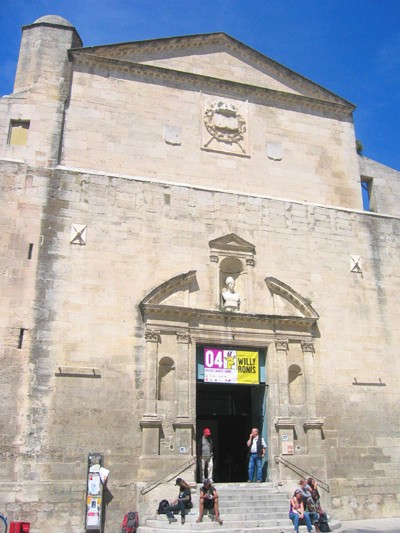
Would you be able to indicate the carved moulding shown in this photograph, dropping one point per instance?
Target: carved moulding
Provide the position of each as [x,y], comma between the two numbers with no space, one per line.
[284,423]
[313,423]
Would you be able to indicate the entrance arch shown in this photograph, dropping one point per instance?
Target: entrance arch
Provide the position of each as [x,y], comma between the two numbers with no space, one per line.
[176,329]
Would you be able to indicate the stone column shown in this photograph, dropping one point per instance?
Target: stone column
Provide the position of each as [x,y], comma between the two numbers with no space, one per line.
[214,278]
[308,355]
[183,340]
[152,339]
[249,285]
[281,346]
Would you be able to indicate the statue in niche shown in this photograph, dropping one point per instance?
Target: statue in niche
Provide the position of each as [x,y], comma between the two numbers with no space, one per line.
[230,298]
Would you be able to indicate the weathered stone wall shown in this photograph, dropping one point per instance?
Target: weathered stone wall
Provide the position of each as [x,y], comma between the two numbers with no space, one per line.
[73,343]
[117,124]
[81,307]
[385,188]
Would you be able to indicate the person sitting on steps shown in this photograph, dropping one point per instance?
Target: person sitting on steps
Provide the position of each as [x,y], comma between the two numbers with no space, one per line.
[208,500]
[183,502]
[296,512]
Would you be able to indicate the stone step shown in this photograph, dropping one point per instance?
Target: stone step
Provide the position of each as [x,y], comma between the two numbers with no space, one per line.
[250,496]
[244,508]
[258,501]
[226,517]
[212,527]
[259,508]
[238,527]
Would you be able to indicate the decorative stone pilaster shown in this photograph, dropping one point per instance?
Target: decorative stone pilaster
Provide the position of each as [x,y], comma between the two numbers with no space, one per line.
[281,346]
[184,437]
[250,283]
[151,437]
[308,356]
[152,338]
[312,422]
[183,341]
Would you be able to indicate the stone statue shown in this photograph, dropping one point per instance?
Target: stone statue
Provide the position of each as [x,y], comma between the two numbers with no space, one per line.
[230,298]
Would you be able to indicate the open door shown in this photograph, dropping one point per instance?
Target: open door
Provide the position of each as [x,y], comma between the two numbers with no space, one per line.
[230,411]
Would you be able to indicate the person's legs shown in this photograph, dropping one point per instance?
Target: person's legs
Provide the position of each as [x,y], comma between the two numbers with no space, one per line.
[201,511]
[252,462]
[308,521]
[203,468]
[210,468]
[295,518]
[181,506]
[314,518]
[216,511]
[169,511]
[259,468]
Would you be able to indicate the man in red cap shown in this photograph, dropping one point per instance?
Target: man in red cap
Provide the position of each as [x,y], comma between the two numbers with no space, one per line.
[206,455]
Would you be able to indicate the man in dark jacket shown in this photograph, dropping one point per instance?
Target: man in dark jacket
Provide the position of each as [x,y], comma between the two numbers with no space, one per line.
[257,446]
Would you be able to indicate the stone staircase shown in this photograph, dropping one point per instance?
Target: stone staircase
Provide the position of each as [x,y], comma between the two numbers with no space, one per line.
[244,508]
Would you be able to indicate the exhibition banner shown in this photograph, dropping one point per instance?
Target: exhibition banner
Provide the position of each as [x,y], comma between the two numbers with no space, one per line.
[231,366]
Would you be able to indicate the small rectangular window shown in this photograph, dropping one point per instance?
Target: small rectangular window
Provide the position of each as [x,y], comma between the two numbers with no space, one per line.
[366,189]
[18,134]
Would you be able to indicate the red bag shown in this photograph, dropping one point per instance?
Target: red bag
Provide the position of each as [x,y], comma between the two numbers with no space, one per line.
[130,522]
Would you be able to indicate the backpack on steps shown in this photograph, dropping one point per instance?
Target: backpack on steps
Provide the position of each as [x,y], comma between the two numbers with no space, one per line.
[162,506]
[130,522]
[324,526]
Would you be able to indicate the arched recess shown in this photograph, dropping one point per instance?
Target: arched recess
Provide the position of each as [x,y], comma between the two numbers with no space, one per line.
[231,255]
[296,395]
[166,379]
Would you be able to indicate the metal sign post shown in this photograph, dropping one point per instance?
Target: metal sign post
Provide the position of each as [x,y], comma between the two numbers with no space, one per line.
[94,493]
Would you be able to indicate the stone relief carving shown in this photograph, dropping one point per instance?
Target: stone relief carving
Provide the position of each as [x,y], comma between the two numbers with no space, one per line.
[225,126]
[307,346]
[182,337]
[152,335]
[282,345]
[230,298]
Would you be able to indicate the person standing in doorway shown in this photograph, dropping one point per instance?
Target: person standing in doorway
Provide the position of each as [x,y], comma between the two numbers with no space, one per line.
[206,455]
[257,447]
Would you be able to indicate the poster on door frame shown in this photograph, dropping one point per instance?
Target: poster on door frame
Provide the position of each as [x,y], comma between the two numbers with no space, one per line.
[231,366]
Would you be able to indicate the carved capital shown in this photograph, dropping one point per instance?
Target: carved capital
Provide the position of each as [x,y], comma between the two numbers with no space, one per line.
[283,422]
[281,345]
[152,335]
[250,262]
[307,346]
[183,337]
[214,258]
[313,424]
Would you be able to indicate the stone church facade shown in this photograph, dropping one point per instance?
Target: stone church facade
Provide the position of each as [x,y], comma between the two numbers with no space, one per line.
[135,179]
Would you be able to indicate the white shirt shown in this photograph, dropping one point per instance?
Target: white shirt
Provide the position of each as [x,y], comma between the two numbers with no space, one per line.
[253,448]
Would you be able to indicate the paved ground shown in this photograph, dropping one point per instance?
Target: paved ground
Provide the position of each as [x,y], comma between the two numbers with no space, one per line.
[381,525]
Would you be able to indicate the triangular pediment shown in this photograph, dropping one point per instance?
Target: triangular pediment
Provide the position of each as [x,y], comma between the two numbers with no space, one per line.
[216,56]
[232,243]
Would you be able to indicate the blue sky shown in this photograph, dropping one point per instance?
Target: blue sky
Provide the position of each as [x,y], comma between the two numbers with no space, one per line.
[351,47]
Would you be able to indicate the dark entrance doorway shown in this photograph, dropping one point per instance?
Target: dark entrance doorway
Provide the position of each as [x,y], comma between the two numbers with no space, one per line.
[230,411]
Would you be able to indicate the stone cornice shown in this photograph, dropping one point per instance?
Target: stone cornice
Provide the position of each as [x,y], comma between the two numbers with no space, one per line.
[148,49]
[172,312]
[202,82]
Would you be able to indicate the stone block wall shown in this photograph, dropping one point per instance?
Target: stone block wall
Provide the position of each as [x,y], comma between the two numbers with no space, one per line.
[79,305]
